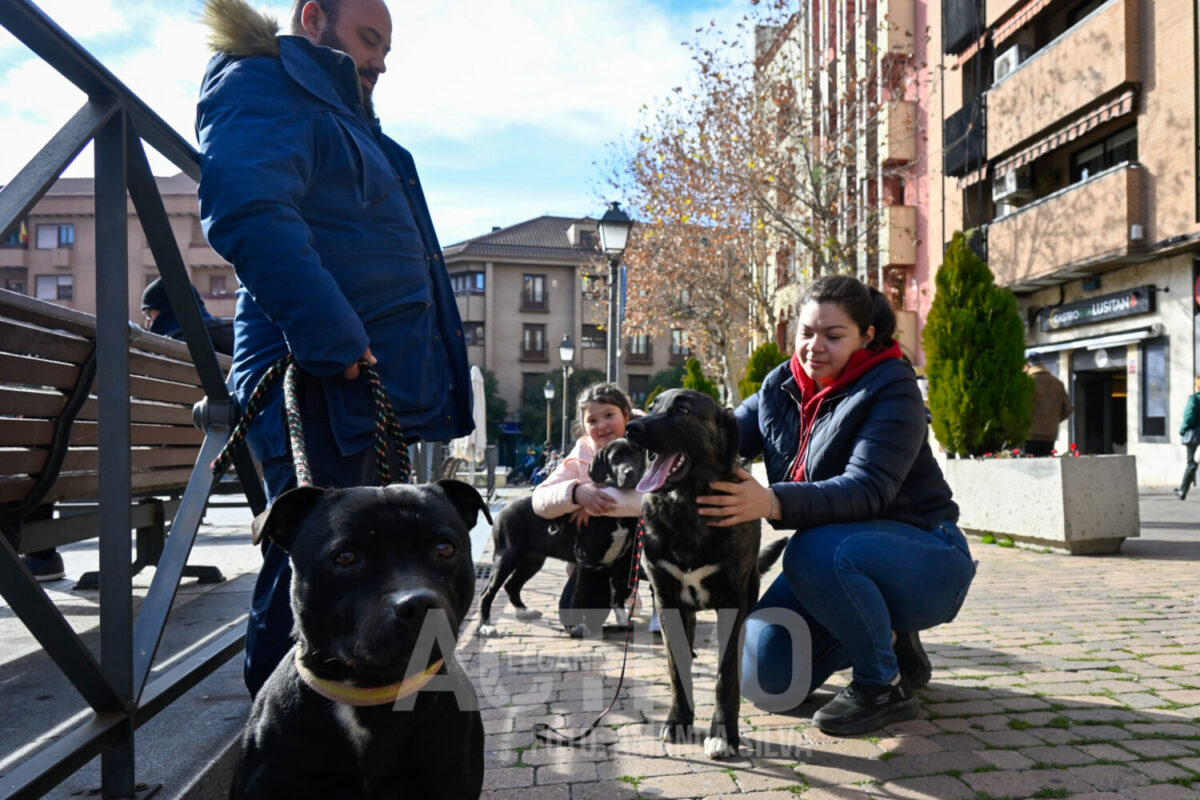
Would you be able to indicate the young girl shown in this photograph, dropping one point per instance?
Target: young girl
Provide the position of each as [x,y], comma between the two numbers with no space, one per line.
[603,410]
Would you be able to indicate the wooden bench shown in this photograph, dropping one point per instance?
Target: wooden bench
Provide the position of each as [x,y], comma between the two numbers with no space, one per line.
[49,431]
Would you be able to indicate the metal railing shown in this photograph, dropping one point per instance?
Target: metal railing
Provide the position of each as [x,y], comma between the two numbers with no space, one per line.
[115,685]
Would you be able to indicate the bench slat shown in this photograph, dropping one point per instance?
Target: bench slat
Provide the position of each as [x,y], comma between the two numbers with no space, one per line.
[28,371]
[31,461]
[81,485]
[47,405]
[37,432]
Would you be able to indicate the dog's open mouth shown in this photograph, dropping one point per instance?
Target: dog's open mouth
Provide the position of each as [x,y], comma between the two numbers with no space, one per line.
[665,468]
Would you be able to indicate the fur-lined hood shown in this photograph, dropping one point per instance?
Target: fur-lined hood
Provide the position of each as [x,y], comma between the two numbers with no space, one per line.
[238,29]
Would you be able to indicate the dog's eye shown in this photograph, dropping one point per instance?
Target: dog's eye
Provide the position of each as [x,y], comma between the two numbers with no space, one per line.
[345,558]
[446,550]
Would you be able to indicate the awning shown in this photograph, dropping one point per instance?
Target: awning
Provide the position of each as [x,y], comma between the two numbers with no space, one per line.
[1099,342]
[1119,105]
[1017,21]
[971,178]
[973,48]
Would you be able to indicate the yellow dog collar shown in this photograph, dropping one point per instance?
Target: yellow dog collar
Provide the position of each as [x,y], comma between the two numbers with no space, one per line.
[351,695]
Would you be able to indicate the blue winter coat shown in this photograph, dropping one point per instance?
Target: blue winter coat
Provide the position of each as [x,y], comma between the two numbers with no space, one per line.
[325,223]
[868,456]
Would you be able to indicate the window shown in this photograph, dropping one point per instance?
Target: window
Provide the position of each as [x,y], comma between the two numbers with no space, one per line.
[1154,390]
[639,349]
[55,287]
[593,286]
[473,331]
[216,286]
[593,338]
[679,346]
[18,237]
[52,237]
[1117,148]
[533,293]
[467,282]
[639,389]
[15,285]
[533,343]
[587,240]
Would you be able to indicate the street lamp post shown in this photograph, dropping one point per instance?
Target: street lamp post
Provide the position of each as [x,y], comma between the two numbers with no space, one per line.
[566,352]
[614,235]
[548,391]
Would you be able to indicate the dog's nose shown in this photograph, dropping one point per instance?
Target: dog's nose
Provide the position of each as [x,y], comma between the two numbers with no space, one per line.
[411,605]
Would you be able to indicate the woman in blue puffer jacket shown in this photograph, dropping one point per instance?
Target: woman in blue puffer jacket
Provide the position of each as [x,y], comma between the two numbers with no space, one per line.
[876,555]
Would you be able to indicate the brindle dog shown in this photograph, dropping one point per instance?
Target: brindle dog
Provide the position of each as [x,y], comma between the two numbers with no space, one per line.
[693,566]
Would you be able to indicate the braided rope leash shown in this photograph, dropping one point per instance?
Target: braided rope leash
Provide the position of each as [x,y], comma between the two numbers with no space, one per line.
[386,424]
[543,731]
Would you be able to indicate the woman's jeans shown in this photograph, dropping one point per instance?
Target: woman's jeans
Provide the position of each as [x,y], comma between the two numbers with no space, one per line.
[844,589]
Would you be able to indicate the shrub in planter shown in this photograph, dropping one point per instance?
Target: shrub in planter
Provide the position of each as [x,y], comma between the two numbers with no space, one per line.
[979,395]
[693,378]
[765,358]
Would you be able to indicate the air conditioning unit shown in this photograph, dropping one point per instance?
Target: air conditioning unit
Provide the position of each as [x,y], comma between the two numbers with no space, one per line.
[1008,61]
[1013,187]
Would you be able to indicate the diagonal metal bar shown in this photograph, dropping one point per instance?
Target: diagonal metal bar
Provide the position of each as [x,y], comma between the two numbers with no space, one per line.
[33,607]
[23,192]
[152,618]
[161,240]
[37,776]
[45,38]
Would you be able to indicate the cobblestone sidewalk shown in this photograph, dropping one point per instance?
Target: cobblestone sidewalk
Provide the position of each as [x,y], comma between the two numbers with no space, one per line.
[1062,677]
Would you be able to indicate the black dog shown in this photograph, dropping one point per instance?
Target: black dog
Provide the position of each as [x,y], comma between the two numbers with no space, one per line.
[522,541]
[377,572]
[691,565]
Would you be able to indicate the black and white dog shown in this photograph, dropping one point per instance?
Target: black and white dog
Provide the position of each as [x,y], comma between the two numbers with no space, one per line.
[382,578]
[692,566]
[522,541]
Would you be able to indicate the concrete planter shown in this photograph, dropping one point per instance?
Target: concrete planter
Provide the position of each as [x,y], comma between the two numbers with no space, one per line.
[1086,505]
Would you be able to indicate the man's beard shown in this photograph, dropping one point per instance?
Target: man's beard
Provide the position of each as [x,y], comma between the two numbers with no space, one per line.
[330,39]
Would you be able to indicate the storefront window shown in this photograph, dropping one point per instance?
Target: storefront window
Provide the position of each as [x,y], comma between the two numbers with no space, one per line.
[1154,391]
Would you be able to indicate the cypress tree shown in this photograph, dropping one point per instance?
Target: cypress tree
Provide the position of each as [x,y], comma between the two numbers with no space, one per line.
[764,359]
[979,395]
[693,378]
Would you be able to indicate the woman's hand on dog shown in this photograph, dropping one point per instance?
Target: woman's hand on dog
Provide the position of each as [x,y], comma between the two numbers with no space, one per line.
[593,500]
[743,501]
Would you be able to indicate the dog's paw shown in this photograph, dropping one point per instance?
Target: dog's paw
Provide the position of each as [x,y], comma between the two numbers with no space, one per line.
[488,631]
[528,613]
[676,732]
[717,747]
[579,632]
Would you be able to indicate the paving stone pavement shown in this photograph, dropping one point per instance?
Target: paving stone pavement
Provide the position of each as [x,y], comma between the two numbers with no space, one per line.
[1063,676]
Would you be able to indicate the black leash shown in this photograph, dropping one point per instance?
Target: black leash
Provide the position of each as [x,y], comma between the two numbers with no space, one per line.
[543,730]
[386,425]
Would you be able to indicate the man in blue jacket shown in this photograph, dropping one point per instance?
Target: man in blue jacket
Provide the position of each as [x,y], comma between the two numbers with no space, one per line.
[325,222]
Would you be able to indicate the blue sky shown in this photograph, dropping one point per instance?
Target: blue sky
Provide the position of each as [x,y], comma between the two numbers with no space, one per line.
[507,105]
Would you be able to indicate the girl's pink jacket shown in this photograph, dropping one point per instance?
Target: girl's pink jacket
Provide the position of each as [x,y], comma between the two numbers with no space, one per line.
[552,497]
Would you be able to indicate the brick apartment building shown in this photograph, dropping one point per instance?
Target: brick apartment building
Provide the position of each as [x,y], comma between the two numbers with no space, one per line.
[860,87]
[1070,147]
[520,289]
[52,256]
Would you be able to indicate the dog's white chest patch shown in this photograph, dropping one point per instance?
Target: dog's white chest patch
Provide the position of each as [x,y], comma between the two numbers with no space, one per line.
[691,590]
[620,535]
[355,731]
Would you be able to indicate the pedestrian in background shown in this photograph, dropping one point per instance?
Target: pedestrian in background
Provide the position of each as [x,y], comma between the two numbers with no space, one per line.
[160,318]
[1190,431]
[1050,407]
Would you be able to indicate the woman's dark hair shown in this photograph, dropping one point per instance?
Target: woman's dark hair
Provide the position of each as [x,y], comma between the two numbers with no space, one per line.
[864,305]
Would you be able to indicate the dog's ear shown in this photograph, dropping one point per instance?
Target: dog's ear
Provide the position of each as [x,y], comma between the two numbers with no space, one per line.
[280,521]
[727,422]
[599,470]
[467,501]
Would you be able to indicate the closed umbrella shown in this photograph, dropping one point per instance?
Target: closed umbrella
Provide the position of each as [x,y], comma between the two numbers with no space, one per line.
[473,446]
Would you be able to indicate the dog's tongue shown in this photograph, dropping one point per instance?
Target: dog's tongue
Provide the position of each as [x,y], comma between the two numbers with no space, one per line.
[660,468]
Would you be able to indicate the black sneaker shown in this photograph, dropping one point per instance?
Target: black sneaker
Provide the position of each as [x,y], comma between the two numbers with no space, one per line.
[45,568]
[914,663]
[861,709]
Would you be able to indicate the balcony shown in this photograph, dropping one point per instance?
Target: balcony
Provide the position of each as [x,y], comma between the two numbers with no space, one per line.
[898,236]
[1088,61]
[632,357]
[960,24]
[899,128]
[963,143]
[535,302]
[1087,225]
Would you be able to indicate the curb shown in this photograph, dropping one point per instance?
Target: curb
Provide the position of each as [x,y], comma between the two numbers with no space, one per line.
[214,778]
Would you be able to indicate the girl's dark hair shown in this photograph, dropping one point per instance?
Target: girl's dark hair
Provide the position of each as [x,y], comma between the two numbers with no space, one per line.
[608,393]
[864,305]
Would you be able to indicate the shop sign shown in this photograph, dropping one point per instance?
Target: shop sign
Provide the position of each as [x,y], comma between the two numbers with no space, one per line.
[1098,309]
